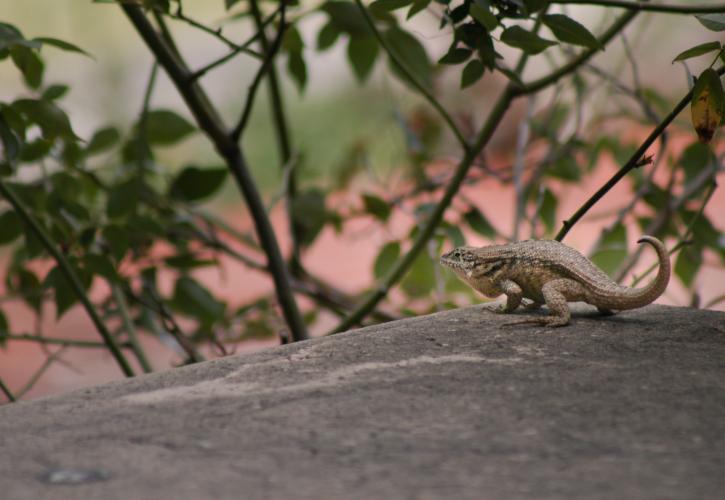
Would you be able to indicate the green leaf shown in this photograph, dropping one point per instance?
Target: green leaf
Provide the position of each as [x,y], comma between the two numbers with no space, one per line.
[688,263]
[29,64]
[52,120]
[54,92]
[565,168]
[529,42]
[420,279]
[361,52]
[533,6]
[472,73]
[455,55]
[102,266]
[11,36]
[309,215]
[193,299]
[418,6]
[60,44]
[484,16]
[568,30]
[194,183]
[10,142]
[27,284]
[547,212]
[297,69]
[123,199]
[694,159]
[708,104]
[713,22]
[411,53]
[64,293]
[11,227]
[4,327]
[386,259]
[327,36]
[476,220]
[389,5]
[377,207]
[116,238]
[163,126]
[103,140]
[347,18]
[611,249]
[697,50]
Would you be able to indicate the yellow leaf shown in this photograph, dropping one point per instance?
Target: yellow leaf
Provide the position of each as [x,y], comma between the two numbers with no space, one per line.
[706,106]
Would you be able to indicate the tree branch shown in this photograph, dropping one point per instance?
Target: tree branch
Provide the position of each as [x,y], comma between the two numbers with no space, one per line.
[69,274]
[54,341]
[209,121]
[633,162]
[651,7]
[7,392]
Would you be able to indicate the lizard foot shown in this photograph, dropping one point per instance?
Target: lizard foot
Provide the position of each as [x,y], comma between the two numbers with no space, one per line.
[550,321]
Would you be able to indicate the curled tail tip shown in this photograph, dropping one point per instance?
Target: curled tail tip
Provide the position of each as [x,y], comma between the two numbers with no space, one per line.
[649,239]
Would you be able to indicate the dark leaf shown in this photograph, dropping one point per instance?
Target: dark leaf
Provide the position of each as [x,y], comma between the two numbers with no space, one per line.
[476,220]
[10,36]
[411,53]
[327,36]
[50,118]
[361,52]
[346,17]
[54,92]
[420,279]
[123,199]
[116,238]
[389,5]
[101,266]
[194,183]
[10,142]
[418,6]
[29,64]
[60,44]
[697,50]
[103,140]
[455,55]
[163,126]
[377,207]
[11,227]
[708,104]
[472,73]
[309,215]
[565,168]
[547,212]
[297,69]
[484,16]
[533,6]
[529,42]
[568,30]
[193,299]
[688,263]
[386,259]
[611,249]
[713,22]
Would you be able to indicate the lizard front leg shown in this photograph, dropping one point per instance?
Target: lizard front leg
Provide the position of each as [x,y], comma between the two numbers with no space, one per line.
[513,293]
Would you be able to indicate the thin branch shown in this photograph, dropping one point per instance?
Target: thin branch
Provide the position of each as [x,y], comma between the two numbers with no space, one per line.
[650,7]
[412,78]
[40,339]
[427,230]
[269,55]
[39,373]
[77,288]
[209,121]
[8,394]
[130,329]
[636,160]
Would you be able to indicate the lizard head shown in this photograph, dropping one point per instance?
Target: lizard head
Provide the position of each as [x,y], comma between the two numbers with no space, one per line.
[462,260]
[474,266]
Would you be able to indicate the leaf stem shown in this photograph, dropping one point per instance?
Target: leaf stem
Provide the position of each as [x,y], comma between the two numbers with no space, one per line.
[7,192]
[130,329]
[651,7]
[7,392]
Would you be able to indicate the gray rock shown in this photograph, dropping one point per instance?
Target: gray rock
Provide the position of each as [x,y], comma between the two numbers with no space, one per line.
[451,405]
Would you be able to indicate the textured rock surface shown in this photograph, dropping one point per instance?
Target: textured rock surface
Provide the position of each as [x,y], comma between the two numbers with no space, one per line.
[450,405]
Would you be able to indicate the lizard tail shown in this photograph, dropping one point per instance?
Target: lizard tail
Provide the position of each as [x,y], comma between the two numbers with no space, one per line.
[639,297]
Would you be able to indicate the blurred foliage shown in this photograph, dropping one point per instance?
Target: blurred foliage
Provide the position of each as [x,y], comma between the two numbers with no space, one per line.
[120,218]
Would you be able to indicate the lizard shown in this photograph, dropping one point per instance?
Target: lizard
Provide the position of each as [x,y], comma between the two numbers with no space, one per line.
[552,273]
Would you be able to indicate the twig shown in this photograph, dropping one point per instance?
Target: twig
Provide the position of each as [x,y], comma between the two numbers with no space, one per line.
[40,339]
[269,55]
[70,275]
[39,373]
[130,329]
[209,121]
[634,162]
[8,394]
[413,80]
[651,7]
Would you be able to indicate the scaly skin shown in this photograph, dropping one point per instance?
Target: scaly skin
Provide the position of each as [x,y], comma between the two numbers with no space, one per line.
[549,272]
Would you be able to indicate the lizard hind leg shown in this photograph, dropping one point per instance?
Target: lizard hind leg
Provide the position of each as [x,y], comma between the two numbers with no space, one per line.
[556,294]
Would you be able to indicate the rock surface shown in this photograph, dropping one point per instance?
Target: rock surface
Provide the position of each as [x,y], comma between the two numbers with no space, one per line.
[450,405]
